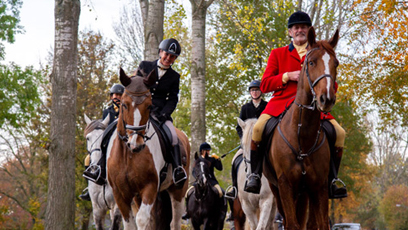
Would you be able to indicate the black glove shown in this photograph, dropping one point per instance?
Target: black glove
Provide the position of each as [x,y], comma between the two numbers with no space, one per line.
[162,117]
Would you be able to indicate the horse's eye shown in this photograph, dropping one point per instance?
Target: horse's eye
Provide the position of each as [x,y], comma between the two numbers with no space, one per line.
[311,63]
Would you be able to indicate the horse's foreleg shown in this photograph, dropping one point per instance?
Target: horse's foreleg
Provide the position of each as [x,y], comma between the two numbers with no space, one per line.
[250,211]
[266,215]
[287,200]
[116,218]
[319,206]
[148,196]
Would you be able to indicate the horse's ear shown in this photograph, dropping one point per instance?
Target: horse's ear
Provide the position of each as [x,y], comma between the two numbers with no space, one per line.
[333,41]
[241,123]
[87,120]
[124,79]
[151,78]
[105,121]
[311,37]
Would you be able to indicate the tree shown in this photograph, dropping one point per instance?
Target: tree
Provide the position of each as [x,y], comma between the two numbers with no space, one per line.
[153,31]
[60,212]
[129,31]
[198,78]
[9,22]
[394,207]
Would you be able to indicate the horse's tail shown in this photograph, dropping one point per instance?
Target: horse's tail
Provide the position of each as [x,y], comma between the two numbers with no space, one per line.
[163,211]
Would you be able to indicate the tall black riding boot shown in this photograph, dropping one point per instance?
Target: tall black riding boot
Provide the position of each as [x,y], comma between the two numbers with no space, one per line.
[85,192]
[179,174]
[336,192]
[231,215]
[253,182]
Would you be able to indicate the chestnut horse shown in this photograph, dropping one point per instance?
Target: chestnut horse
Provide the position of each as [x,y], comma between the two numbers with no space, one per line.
[297,164]
[136,159]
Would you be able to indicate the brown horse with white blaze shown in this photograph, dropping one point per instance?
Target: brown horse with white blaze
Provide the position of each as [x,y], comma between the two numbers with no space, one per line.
[136,158]
[297,164]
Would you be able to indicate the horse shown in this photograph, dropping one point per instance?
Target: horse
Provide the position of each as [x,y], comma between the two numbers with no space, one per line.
[136,159]
[297,161]
[258,208]
[101,196]
[205,207]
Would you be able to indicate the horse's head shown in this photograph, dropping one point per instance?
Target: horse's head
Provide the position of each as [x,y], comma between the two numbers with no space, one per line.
[201,171]
[319,71]
[247,127]
[93,134]
[134,109]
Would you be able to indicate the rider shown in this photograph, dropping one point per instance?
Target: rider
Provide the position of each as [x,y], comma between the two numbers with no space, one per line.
[281,76]
[116,92]
[215,161]
[165,97]
[252,109]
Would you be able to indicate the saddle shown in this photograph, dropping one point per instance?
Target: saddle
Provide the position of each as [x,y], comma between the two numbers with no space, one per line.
[165,139]
[237,161]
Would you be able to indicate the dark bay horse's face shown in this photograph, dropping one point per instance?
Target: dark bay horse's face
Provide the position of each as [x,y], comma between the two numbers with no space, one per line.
[134,111]
[201,172]
[320,67]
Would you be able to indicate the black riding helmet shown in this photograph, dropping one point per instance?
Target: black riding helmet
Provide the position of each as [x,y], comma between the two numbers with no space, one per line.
[205,146]
[299,18]
[253,84]
[117,88]
[171,46]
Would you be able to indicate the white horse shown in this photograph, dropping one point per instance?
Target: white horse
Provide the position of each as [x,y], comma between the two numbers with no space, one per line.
[258,208]
[101,196]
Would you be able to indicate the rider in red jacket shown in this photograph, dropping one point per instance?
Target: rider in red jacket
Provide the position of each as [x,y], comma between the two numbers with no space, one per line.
[281,77]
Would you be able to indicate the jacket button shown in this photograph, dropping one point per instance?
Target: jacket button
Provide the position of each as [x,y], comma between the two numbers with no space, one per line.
[152,94]
[167,98]
[157,82]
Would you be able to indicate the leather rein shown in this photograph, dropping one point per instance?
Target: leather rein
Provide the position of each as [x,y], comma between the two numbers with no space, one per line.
[300,155]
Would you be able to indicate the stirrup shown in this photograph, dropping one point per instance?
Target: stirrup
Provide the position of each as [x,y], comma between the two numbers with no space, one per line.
[180,180]
[98,179]
[234,190]
[337,196]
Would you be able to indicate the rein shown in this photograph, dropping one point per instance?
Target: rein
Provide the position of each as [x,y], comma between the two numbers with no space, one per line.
[300,155]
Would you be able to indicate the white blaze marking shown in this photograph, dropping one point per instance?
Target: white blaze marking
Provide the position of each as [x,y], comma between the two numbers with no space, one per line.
[143,216]
[136,122]
[326,59]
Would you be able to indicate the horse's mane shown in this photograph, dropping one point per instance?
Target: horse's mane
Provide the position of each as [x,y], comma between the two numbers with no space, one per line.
[95,124]
[247,132]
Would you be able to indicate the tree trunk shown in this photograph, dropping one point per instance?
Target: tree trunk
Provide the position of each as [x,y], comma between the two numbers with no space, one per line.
[153,29]
[198,131]
[60,214]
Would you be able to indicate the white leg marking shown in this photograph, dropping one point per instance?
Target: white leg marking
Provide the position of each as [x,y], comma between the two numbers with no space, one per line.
[143,216]
[326,59]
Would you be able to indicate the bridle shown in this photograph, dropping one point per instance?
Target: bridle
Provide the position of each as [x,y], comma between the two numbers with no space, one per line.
[138,98]
[96,149]
[300,155]
[312,105]
[205,181]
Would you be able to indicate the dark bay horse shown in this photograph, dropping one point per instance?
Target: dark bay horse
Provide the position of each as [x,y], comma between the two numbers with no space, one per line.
[136,159]
[205,207]
[297,164]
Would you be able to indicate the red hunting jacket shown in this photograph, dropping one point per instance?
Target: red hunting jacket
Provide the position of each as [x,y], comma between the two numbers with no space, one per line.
[282,60]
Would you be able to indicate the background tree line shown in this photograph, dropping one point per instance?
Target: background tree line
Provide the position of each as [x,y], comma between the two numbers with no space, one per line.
[239,35]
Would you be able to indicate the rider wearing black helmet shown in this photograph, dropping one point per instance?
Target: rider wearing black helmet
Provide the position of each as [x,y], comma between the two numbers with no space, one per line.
[115,92]
[165,96]
[253,108]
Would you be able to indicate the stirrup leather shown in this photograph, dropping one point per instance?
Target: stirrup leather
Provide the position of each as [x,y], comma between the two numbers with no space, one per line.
[182,179]
[234,190]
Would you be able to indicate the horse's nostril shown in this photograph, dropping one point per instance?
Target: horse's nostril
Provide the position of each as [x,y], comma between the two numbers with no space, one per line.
[322,99]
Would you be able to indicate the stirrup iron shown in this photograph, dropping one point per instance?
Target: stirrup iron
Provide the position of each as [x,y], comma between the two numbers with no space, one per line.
[182,179]
[234,189]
